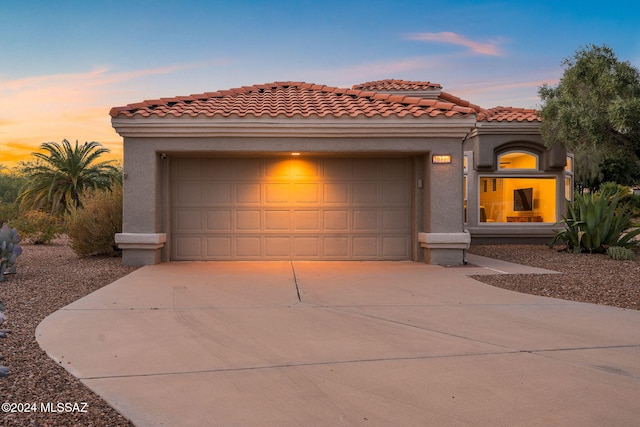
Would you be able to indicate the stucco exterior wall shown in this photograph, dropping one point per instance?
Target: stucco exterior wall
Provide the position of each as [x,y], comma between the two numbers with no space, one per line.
[437,198]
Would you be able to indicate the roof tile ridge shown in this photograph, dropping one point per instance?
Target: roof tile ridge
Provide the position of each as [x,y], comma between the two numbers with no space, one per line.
[381,96]
[398,81]
[446,96]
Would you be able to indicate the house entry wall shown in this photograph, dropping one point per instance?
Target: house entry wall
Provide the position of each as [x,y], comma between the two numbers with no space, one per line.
[281,208]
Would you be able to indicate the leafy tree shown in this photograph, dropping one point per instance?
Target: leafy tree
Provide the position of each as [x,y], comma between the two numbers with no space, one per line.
[595,112]
[60,174]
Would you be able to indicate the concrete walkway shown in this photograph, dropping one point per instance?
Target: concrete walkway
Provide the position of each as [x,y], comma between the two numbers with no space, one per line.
[346,343]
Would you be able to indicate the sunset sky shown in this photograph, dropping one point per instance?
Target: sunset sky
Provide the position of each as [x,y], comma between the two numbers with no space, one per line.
[64,64]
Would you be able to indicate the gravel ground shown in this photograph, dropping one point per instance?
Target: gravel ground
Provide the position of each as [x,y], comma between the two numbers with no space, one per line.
[51,276]
[593,278]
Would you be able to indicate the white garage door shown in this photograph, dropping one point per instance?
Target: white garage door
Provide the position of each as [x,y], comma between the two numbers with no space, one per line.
[291,208]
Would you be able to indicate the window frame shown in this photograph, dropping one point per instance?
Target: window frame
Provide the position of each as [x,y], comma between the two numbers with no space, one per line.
[518,151]
[489,177]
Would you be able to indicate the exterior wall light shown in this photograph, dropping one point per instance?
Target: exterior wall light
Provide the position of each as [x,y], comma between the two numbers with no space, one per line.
[295,154]
[441,158]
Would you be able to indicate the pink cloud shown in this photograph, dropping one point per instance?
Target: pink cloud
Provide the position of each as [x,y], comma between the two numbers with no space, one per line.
[488,48]
[71,105]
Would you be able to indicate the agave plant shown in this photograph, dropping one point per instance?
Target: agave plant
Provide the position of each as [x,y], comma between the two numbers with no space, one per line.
[595,222]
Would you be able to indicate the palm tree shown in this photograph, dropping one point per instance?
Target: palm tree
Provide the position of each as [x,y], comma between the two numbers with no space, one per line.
[58,176]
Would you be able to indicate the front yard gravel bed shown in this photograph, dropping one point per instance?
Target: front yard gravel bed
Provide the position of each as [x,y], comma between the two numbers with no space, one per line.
[52,276]
[591,278]
[48,278]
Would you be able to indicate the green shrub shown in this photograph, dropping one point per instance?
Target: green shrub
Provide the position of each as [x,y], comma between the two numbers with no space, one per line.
[614,189]
[596,221]
[37,227]
[92,227]
[634,204]
[620,254]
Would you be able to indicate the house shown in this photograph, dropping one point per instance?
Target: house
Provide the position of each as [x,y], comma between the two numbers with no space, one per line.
[386,170]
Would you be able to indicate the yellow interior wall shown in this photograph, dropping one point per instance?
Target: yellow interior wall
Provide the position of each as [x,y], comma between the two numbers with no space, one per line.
[518,161]
[499,204]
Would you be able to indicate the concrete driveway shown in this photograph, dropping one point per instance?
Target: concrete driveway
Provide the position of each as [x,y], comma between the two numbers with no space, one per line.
[346,343]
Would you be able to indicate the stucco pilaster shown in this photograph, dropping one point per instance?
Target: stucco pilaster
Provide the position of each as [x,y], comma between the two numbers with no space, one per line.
[141,241]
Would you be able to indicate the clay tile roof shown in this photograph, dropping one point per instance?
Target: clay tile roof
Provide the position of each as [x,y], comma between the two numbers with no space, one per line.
[392,84]
[509,114]
[292,99]
[447,97]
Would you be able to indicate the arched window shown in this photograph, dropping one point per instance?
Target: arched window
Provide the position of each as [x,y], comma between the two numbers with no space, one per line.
[517,160]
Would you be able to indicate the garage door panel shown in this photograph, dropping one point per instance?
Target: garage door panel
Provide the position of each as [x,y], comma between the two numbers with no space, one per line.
[188,220]
[276,168]
[394,220]
[395,169]
[365,220]
[189,193]
[188,247]
[215,169]
[277,220]
[365,246]
[304,168]
[219,247]
[395,246]
[336,247]
[395,193]
[336,220]
[219,220]
[246,169]
[248,193]
[369,169]
[249,220]
[306,193]
[365,193]
[306,220]
[188,168]
[277,193]
[277,246]
[335,193]
[306,246]
[275,208]
[248,246]
[337,169]
[218,193]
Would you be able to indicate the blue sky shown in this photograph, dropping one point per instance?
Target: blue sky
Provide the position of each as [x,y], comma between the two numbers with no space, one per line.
[66,63]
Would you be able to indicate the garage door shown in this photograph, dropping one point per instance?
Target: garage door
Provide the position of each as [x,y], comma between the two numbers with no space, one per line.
[291,208]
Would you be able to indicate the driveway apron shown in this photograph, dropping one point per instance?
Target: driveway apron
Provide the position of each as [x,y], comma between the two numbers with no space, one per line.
[346,343]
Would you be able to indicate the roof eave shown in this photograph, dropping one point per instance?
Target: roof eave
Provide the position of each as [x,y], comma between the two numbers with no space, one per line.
[186,126]
[507,127]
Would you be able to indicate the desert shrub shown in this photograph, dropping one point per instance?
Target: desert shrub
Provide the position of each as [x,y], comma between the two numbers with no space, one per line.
[626,196]
[596,221]
[37,227]
[620,254]
[8,212]
[614,189]
[91,228]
